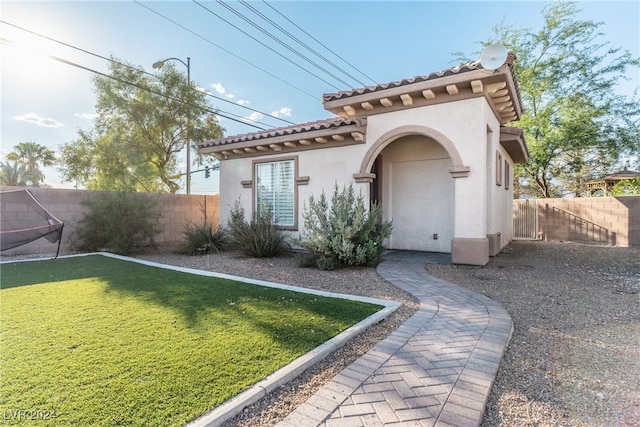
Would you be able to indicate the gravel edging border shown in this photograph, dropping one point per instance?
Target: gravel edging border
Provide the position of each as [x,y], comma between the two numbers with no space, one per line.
[236,404]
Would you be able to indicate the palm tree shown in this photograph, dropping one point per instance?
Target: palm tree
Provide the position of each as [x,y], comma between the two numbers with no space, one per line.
[12,174]
[32,156]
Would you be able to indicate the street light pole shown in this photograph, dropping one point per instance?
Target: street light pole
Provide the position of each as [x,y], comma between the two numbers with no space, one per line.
[156,66]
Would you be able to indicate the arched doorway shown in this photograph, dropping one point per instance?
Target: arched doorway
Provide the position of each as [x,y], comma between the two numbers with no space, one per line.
[417,193]
[413,170]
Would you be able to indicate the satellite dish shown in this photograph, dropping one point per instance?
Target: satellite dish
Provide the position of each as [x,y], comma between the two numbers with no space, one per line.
[493,56]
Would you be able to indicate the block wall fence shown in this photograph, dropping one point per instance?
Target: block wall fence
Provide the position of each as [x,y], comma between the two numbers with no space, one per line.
[67,205]
[612,221]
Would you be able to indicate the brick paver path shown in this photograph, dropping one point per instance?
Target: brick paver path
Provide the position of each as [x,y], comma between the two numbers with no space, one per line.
[436,369]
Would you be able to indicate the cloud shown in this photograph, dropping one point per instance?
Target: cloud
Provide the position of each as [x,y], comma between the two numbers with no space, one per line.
[88,116]
[243,102]
[37,120]
[283,112]
[222,90]
[219,88]
[254,117]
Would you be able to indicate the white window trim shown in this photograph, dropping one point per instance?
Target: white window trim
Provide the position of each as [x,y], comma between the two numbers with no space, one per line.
[296,181]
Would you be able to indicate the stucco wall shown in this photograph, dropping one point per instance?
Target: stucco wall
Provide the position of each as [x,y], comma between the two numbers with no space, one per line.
[67,205]
[324,167]
[465,130]
[481,207]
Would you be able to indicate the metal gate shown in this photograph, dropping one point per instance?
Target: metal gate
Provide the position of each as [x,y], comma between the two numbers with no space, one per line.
[525,220]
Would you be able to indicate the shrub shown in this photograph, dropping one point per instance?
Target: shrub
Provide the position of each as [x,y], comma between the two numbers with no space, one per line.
[259,237]
[344,233]
[118,222]
[203,239]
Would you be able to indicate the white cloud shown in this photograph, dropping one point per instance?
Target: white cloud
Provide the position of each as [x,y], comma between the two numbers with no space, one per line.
[283,112]
[243,102]
[253,117]
[219,88]
[37,120]
[88,116]
[230,95]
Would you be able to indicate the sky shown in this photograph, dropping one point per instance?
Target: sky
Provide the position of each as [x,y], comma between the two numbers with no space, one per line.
[368,42]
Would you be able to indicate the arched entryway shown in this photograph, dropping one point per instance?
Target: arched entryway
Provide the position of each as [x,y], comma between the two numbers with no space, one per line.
[412,170]
[417,193]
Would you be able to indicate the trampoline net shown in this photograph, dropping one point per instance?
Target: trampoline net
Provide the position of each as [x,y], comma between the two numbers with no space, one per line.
[23,219]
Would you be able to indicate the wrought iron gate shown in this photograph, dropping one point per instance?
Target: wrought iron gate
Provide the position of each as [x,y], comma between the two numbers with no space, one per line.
[525,220]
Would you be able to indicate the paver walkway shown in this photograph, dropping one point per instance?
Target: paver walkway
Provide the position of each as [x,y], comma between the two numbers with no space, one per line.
[436,369]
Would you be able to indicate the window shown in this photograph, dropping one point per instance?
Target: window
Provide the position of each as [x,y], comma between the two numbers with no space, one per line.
[498,168]
[507,175]
[275,189]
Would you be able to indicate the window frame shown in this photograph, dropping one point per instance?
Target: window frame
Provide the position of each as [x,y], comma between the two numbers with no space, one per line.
[498,168]
[294,182]
[507,174]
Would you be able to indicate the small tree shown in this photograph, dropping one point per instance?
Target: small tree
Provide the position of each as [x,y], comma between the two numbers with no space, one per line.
[12,174]
[344,233]
[29,157]
[119,222]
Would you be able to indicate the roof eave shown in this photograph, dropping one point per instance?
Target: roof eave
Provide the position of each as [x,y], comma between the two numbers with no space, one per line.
[499,87]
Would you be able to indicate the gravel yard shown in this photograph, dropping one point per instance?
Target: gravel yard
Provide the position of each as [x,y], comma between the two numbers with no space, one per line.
[573,359]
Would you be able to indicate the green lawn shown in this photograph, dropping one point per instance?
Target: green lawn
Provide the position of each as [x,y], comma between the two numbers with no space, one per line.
[102,341]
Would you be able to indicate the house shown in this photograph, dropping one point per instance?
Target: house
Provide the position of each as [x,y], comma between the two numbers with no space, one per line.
[433,150]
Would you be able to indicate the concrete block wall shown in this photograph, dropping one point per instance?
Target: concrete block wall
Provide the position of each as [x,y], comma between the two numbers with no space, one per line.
[613,221]
[67,205]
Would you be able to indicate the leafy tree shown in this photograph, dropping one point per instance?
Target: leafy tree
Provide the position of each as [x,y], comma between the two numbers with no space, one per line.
[627,187]
[143,122]
[29,157]
[12,174]
[576,125]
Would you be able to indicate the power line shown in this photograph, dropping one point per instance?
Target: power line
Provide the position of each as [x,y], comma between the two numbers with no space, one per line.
[137,69]
[263,44]
[300,42]
[73,64]
[280,42]
[225,50]
[318,41]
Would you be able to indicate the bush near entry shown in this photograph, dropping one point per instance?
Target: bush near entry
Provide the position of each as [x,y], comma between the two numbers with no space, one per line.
[344,233]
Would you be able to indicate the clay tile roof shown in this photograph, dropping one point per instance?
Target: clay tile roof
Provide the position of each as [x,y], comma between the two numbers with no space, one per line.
[474,65]
[318,125]
[470,66]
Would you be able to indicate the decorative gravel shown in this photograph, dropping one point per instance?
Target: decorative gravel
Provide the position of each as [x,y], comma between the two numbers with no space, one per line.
[574,356]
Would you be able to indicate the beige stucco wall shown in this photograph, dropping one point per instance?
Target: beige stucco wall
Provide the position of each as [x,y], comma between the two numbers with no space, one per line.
[323,167]
[465,125]
[459,133]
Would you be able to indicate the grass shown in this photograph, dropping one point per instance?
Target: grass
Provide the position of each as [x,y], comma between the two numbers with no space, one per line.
[101,341]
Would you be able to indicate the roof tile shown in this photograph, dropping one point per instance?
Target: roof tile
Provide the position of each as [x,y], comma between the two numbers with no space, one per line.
[325,124]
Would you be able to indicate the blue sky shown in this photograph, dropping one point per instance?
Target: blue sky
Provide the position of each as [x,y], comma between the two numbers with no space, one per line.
[47,101]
